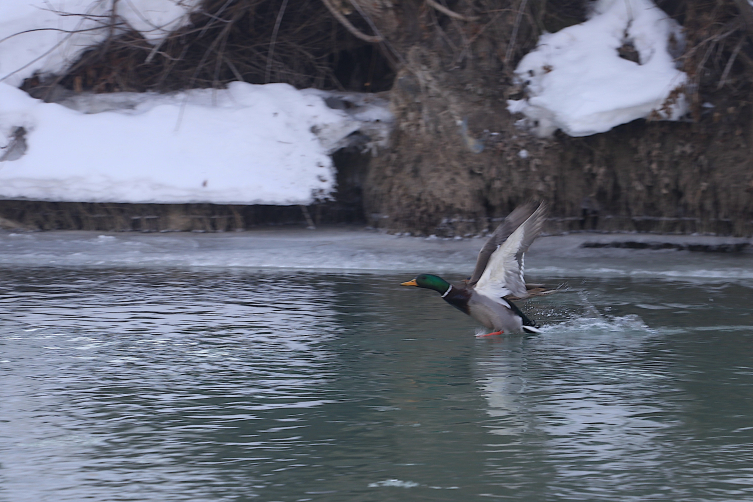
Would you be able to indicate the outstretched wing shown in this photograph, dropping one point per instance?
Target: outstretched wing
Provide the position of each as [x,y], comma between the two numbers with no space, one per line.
[503,274]
[503,231]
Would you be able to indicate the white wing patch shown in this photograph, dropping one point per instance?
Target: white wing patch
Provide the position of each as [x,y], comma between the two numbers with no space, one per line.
[504,272]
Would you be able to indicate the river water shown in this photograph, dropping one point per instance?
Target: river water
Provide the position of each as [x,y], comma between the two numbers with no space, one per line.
[290,366]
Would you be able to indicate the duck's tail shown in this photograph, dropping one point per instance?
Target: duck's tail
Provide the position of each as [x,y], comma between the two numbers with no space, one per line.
[529,326]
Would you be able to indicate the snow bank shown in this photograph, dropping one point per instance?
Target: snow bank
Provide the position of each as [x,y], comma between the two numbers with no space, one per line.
[155,19]
[46,36]
[576,80]
[249,144]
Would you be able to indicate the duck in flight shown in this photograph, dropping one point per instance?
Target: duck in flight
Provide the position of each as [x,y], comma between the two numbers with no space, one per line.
[498,276]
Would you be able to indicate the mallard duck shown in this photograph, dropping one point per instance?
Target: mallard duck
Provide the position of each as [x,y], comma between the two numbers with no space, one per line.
[498,277]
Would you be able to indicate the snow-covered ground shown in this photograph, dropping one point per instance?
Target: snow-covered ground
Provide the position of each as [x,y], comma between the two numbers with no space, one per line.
[248,144]
[577,81]
[272,144]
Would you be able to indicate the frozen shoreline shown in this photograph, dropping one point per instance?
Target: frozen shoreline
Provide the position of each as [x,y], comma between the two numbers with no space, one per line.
[354,250]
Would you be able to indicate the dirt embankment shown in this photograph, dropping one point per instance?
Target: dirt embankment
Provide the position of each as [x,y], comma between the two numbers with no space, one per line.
[667,177]
[457,162]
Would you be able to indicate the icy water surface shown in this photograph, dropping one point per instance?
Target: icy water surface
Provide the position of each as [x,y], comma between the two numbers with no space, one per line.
[207,368]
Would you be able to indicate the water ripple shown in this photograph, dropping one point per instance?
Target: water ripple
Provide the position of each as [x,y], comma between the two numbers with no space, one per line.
[132,384]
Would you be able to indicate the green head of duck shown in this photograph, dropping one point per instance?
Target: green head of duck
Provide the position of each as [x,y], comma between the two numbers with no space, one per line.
[429,281]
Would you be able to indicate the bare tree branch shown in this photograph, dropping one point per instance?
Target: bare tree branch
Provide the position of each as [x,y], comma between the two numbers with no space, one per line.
[444,10]
[344,21]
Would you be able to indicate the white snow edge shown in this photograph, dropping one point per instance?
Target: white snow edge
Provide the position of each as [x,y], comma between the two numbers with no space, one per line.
[576,81]
[247,144]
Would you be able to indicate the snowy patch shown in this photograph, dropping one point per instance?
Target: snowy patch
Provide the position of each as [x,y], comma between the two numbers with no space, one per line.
[612,69]
[155,19]
[248,144]
[368,114]
[46,36]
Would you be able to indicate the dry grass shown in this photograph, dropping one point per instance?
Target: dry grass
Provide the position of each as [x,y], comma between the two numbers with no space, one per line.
[717,55]
[258,41]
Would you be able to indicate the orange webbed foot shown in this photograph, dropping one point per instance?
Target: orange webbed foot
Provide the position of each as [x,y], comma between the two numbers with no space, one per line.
[494,333]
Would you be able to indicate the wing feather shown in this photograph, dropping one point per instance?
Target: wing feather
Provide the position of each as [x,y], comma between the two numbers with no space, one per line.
[519,215]
[504,271]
